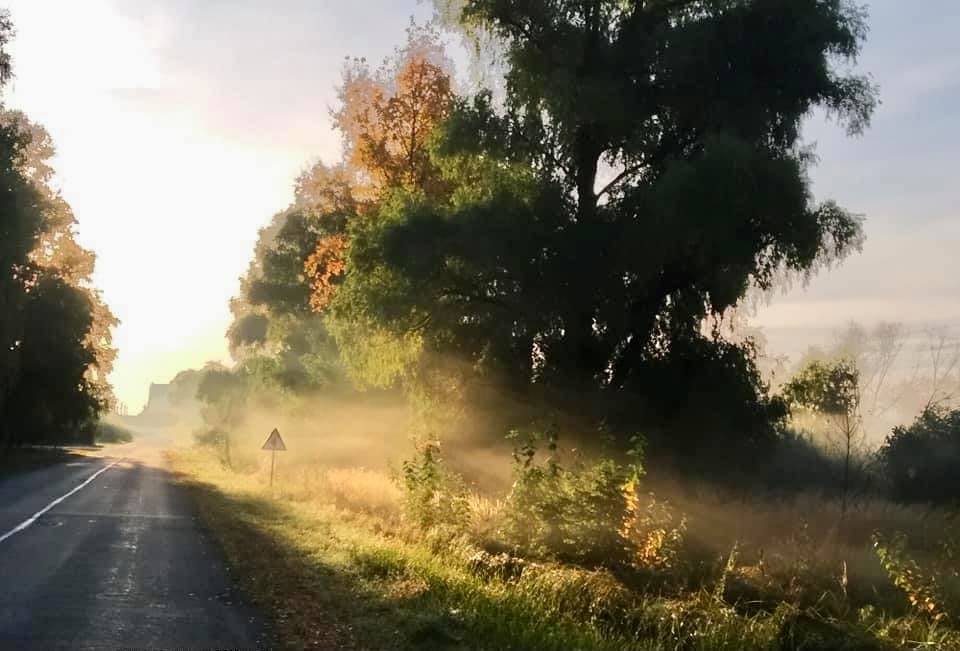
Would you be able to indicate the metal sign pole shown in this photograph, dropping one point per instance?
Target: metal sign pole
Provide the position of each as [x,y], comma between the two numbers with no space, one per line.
[273,462]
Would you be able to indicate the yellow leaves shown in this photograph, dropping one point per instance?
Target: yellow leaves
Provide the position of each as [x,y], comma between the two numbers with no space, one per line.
[649,529]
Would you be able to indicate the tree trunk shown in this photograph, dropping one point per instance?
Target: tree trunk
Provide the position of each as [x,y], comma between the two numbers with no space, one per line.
[578,326]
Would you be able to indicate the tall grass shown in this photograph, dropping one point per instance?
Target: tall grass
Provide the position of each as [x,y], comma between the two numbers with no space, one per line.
[801,577]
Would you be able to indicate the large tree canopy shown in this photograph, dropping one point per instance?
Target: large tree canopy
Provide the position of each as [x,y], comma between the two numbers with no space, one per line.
[644,170]
[386,117]
[55,330]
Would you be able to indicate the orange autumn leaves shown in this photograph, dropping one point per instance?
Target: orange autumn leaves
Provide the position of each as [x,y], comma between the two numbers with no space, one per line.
[392,133]
[386,119]
[325,267]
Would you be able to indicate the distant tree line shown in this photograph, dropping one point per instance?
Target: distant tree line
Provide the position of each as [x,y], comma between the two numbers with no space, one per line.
[55,329]
[842,395]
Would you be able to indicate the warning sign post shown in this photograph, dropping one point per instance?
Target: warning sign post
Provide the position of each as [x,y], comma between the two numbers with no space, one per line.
[273,443]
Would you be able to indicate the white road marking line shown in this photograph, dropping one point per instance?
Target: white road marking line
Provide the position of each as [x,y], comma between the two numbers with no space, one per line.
[33,518]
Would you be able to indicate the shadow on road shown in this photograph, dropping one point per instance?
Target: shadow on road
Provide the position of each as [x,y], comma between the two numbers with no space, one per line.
[21,460]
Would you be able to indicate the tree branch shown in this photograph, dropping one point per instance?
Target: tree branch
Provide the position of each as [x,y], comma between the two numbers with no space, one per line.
[629,171]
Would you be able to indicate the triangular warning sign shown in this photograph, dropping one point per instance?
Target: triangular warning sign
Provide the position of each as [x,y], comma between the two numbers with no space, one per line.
[274,442]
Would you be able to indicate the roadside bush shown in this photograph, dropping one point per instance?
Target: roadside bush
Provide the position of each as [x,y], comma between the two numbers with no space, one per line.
[922,462]
[434,496]
[572,513]
[209,437]
[652,531]
[110,433]
[931,588]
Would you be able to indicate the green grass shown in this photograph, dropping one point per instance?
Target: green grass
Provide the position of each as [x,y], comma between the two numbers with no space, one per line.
[328,582]
[332,578]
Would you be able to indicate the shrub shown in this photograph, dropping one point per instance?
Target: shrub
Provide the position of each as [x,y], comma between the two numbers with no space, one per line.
[922,462]
[110,433]
[568,513]
[799,464]
[433,495]
[923,586]
[209,437]
[652,531]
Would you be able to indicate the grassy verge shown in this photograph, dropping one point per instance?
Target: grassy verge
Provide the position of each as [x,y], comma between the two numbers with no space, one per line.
[334,577]
[329,581]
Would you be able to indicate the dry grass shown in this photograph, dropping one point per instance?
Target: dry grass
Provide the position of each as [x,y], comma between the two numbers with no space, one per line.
[799,571]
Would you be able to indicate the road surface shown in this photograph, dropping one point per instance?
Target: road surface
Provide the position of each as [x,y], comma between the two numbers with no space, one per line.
[119,563]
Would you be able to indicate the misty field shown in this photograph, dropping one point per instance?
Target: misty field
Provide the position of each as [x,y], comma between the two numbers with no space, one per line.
[348,557]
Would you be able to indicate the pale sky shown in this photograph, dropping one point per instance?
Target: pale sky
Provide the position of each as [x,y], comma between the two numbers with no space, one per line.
[181,124]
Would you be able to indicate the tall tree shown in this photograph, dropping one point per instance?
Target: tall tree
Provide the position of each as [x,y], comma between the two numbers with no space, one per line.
[645,170]
[831,390]
[55,343]
[57,252]
[21,222]
[55,398]
[386,116]
[388,119]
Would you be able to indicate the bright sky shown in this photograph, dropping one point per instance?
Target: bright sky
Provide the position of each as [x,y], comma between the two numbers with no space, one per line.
[181,125]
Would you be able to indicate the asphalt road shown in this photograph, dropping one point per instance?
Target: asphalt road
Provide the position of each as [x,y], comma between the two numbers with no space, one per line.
[121,563]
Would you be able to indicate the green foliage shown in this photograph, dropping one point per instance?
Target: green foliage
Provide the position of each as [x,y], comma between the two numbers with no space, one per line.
[733,418]
[107,432]
[20,227]
[652,532]
[925,588]
[800,464]
[54,400]
[220,386]
[398,592]
[922,462]
[183,387]
[829,388]
[282,343]
[572,513]
[55,340]
[434,497]
[538,277]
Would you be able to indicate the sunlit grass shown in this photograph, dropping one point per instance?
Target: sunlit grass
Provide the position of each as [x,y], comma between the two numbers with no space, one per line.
[332,557]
